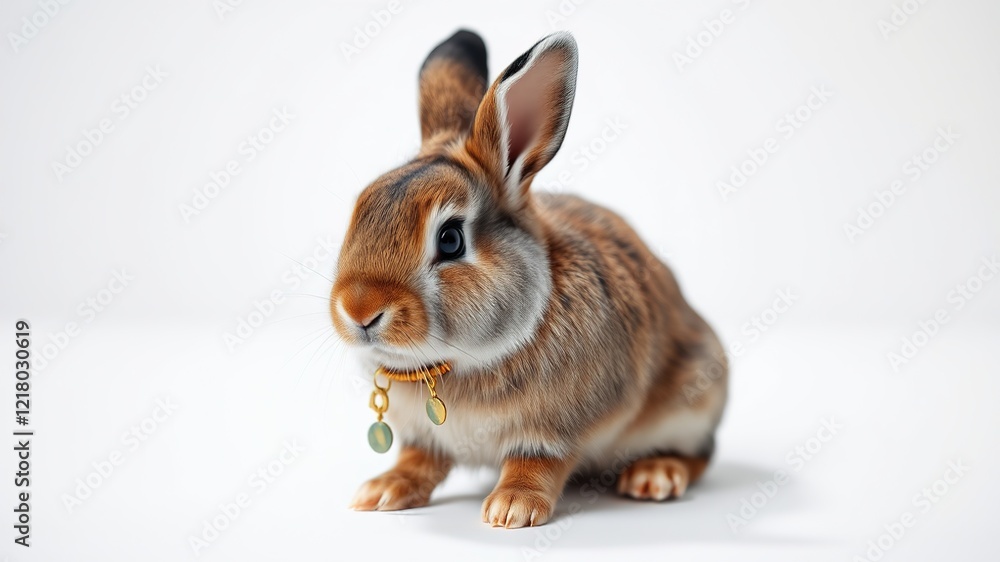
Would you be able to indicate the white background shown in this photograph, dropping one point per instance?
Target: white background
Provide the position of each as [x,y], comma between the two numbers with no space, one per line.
[63,237]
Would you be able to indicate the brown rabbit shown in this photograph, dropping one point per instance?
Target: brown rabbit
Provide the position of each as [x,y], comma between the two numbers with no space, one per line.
[570,345]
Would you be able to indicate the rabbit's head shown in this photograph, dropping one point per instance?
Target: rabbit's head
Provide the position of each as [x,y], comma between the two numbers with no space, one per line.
[445,258]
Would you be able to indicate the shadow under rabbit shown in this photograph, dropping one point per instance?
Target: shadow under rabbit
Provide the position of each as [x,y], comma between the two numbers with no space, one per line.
[590,516]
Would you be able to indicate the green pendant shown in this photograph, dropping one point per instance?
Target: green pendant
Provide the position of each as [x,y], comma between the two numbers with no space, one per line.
[436,410]
[380,437]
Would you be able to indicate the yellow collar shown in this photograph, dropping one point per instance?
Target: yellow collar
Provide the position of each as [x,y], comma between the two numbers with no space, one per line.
[423,374]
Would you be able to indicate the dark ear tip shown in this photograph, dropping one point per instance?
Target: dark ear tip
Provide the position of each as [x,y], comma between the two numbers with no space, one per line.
[464,46]
[559,39]
[563,39]
[468,38]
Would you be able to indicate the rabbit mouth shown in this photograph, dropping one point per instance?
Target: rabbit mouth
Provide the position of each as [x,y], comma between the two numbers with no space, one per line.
[401,359]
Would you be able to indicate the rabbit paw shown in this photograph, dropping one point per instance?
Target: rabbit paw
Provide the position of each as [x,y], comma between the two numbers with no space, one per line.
[512,508]
[658,478]
[389,492]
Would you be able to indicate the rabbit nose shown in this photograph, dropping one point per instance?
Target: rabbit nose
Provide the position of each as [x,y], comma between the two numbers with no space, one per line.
[371,321]
[361,312]
[362,320]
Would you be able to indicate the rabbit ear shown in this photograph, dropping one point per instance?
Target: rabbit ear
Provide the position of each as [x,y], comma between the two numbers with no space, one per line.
[453,80]
[522,119]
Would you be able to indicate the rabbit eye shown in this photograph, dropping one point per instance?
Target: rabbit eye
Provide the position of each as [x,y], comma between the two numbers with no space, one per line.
[451,242]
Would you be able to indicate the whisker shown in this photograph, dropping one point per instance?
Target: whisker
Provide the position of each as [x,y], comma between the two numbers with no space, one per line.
[438,353]
[317,352]
[322,332]
[326,298]
[307,267]
[427,360]
[270,322]
[409,347]
[471,356]
[326,372]
[334,194]
[314,330]
[507,383]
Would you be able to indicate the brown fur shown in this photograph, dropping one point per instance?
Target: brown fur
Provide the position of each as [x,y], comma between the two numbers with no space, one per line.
[408,484]
[617,361]
[450,95]
[526,492]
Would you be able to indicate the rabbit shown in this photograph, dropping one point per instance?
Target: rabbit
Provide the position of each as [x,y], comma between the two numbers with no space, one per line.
[572,349]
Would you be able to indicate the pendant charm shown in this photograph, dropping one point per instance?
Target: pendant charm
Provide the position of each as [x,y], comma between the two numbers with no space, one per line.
[436,410]
[380,437]
[380,434]
[435,407]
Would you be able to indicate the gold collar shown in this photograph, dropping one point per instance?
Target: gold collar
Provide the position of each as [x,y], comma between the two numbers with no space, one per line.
[422,374]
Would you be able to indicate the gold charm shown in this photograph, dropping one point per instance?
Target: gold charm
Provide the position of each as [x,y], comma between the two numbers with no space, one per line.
[380,434]
[435,407]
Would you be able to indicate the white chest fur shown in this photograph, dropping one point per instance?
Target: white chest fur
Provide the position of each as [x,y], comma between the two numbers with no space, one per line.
[474,439]
[468,436]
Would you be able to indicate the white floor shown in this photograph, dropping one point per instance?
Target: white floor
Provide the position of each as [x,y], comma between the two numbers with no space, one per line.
[235,413]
